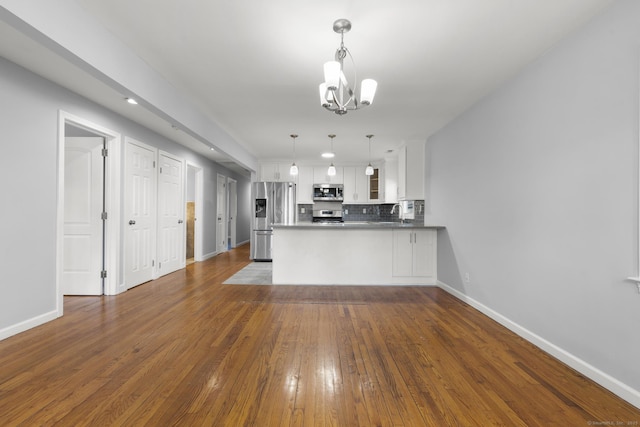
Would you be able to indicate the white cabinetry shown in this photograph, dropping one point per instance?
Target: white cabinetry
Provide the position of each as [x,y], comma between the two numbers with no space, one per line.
[320,175]
[385,256]
[414,253]
[356,185]
[304,187]
[390,181]
[411,171]
[274,171]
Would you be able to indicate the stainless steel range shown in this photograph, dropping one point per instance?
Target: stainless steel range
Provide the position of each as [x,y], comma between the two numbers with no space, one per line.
[328,213]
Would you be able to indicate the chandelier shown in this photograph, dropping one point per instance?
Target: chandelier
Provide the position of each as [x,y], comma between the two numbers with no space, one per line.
[336,94]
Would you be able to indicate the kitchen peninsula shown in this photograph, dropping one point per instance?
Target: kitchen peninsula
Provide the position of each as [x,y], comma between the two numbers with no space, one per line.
[354,253]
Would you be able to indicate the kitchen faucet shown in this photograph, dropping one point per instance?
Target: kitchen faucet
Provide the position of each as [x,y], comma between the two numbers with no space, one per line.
[400,212]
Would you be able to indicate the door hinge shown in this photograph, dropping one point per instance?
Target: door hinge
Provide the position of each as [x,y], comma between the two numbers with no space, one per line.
[105,152]
[153,262]
[103,274]
[160,170]
[159,265]
[154,164]
[104,216]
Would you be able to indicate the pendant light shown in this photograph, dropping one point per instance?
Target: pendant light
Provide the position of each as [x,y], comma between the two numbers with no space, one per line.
[332,169]
[369,170]
[294,168]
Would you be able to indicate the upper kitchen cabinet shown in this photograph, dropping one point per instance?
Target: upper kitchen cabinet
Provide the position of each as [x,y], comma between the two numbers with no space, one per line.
[356,185]
[411,171]
[375,181]
[274,171]
[390,181]
[304,189]
[320,175]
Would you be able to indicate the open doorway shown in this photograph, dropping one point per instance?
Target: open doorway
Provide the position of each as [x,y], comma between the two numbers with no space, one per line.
[194,197]
[94,155]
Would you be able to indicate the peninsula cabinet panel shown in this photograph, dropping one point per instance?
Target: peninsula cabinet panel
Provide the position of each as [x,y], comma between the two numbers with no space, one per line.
[414,253]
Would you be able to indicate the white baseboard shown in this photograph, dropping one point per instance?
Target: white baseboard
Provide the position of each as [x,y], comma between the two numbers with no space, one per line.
[209,255]
[28,324]
[607,381]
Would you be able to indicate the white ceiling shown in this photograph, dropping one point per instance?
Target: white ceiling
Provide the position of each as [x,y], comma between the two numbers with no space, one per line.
[253,67]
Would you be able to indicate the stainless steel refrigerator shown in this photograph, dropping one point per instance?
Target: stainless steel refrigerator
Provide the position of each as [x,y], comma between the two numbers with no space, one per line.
[273,203]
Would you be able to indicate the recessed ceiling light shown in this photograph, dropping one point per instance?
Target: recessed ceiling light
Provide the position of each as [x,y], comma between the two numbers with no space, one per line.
[132,101]
[212,149]
[328,155]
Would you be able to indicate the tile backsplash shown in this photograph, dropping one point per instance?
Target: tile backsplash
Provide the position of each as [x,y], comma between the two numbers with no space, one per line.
[361,213]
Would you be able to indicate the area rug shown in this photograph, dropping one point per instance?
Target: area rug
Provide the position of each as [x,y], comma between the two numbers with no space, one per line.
[256,273]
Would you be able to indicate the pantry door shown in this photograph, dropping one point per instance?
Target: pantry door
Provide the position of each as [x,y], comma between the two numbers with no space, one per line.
[171,214]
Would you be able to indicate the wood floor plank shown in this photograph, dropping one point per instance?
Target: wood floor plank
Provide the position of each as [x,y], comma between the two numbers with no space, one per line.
[187,350]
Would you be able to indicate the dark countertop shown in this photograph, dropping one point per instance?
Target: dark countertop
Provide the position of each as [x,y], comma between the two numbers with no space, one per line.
[355,225]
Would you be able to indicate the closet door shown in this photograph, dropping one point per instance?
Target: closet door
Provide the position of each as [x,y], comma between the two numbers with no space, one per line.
[140,213]
[171,214]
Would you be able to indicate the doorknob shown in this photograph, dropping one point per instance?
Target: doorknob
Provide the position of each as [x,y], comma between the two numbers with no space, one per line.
[132,222]
[180,221]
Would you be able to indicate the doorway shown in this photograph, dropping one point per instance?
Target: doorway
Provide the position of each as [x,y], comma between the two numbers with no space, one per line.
[194,201]
[232,189]
[108,267]
[221,215]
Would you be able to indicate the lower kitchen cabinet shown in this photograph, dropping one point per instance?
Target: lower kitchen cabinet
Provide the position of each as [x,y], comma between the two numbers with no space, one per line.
[414,253]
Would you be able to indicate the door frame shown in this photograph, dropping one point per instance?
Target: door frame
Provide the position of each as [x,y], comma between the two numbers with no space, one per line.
[232,205]
[112,171]
[221,179]
[199,196]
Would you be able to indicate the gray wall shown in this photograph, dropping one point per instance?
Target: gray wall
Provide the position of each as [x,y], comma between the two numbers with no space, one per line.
[29,124]
[538,187]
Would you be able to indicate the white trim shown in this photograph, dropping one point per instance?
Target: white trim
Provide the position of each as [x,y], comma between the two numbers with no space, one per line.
[209,255]
[28,324]
[614,385]
[112,197]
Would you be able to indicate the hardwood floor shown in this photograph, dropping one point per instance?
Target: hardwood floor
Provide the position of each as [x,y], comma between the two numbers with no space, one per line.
[187,350]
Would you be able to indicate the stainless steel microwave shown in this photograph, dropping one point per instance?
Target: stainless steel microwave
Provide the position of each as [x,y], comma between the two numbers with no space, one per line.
[328,192]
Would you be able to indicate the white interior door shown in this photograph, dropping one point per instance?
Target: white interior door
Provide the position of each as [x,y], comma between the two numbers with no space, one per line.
[221,229]
[140,201]
[83,207]
[171,215]
[233,211]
